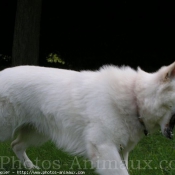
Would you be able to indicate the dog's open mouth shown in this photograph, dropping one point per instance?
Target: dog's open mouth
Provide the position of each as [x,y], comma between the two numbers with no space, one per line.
[168,132]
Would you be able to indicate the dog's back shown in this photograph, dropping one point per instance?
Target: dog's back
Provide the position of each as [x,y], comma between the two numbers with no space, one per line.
[36,96]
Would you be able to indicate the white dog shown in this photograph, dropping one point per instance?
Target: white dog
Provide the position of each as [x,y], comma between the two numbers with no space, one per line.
[87,113]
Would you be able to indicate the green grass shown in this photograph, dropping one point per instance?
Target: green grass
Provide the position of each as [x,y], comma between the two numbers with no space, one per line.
[154,155]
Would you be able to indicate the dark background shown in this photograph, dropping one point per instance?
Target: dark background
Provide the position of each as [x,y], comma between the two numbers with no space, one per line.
[89,34]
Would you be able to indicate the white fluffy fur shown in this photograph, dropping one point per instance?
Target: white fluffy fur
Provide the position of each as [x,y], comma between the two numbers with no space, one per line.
[87,113]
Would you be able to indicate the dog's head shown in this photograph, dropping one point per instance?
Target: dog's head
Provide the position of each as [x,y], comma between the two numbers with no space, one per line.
[167,94]
[156,98]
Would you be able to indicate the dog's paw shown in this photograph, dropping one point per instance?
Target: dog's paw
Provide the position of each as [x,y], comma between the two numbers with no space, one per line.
[29,165]
[36,167]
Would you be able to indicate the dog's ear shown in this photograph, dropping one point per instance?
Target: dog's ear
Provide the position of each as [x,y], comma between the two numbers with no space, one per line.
[170,72]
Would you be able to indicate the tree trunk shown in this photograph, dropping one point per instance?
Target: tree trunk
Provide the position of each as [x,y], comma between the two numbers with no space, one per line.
[26,33]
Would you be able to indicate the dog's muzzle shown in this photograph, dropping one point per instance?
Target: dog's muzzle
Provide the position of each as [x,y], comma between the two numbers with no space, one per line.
[168,131]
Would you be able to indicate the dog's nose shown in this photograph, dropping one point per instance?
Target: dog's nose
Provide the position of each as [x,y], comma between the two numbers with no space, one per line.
[172,122]
[168,132]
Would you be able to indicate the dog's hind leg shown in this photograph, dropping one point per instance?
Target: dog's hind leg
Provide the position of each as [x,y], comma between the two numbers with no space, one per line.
[27,136]
[19,147]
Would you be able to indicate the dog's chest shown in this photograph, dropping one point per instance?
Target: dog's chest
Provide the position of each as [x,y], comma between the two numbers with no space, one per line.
[127,132]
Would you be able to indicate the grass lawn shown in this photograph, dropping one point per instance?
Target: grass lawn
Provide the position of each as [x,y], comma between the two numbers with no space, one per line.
[154,155]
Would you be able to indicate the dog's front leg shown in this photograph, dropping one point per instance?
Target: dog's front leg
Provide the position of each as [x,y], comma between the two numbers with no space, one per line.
[125,156]
[106,159]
